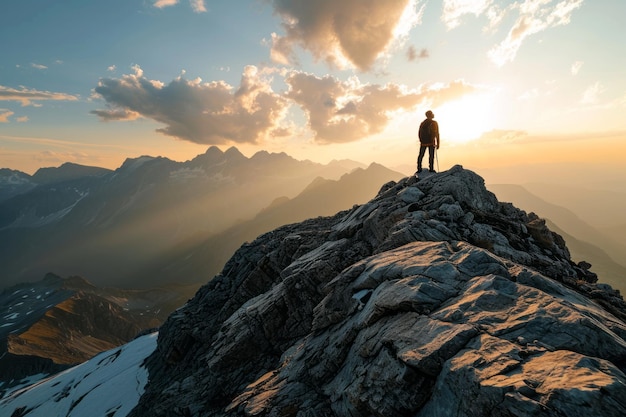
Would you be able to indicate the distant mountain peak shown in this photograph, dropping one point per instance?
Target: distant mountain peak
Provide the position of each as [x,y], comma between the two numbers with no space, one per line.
[213,151]
[263,155]
[233,154]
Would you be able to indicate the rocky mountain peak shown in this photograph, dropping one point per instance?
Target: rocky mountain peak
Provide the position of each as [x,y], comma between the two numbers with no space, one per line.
[432,299]
[234,154]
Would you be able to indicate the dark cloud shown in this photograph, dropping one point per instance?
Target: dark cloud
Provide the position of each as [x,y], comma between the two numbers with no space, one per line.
[356,31]
[205,113]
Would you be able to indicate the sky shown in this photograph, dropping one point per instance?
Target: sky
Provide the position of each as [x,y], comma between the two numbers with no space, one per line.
[510,82]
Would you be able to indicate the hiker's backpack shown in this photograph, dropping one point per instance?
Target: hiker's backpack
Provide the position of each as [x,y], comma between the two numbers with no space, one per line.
[425,132]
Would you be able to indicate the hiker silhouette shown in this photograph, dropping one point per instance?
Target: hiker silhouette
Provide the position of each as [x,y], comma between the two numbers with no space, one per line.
[429,139]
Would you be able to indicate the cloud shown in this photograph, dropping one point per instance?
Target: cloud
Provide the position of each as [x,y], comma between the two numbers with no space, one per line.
[112,68]
[454,10]
[412,54]
[196,111]
[56,157]
[28,96]
[499,137]
[534,17]
[159,4]
[342,33]
[592,94]
[5,114]
[340,112]
[38,66]
[21,119]
[576,66]
[198,6]
[217,113]
[116,114]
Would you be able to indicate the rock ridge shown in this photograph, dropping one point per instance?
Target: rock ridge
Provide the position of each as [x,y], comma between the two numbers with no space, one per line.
[433,299]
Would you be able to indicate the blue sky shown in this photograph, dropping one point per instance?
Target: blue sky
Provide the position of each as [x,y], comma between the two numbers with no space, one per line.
[95,82]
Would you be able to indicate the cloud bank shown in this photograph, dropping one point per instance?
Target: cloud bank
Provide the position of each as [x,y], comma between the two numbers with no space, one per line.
[343,33]
[217,113]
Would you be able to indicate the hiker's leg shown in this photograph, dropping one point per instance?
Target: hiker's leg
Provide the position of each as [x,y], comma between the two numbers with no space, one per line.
[420,157]
[431,158]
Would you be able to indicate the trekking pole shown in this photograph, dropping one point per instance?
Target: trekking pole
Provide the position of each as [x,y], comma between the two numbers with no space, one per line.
[436,159]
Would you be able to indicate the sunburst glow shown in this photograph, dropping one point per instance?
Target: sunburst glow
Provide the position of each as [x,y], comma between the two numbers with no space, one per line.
[466,119]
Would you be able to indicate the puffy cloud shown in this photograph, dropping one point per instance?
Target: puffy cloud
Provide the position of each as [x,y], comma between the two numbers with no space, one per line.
[217,113]
[28,96]
[348,111]
[38,66]
[205,113]
[346,32]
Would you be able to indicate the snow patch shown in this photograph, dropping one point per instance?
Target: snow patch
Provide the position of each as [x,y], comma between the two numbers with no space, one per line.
[110,384]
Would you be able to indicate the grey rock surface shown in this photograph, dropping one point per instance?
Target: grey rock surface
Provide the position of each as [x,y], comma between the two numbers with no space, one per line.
[433,299]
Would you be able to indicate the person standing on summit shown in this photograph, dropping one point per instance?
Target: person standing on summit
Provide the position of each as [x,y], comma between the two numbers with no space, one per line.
[429,139]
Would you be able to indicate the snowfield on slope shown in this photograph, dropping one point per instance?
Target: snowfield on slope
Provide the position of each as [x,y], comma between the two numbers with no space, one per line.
[109,384]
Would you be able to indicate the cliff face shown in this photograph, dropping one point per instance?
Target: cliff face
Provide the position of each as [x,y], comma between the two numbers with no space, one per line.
[433,299]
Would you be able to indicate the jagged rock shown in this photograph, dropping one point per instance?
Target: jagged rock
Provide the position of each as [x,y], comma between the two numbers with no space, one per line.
[433,299]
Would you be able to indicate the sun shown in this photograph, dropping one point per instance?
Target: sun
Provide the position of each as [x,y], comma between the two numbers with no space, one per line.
[465,119]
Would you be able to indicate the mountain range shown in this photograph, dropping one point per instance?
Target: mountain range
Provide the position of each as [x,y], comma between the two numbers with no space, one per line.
[431,299]
[110,226]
